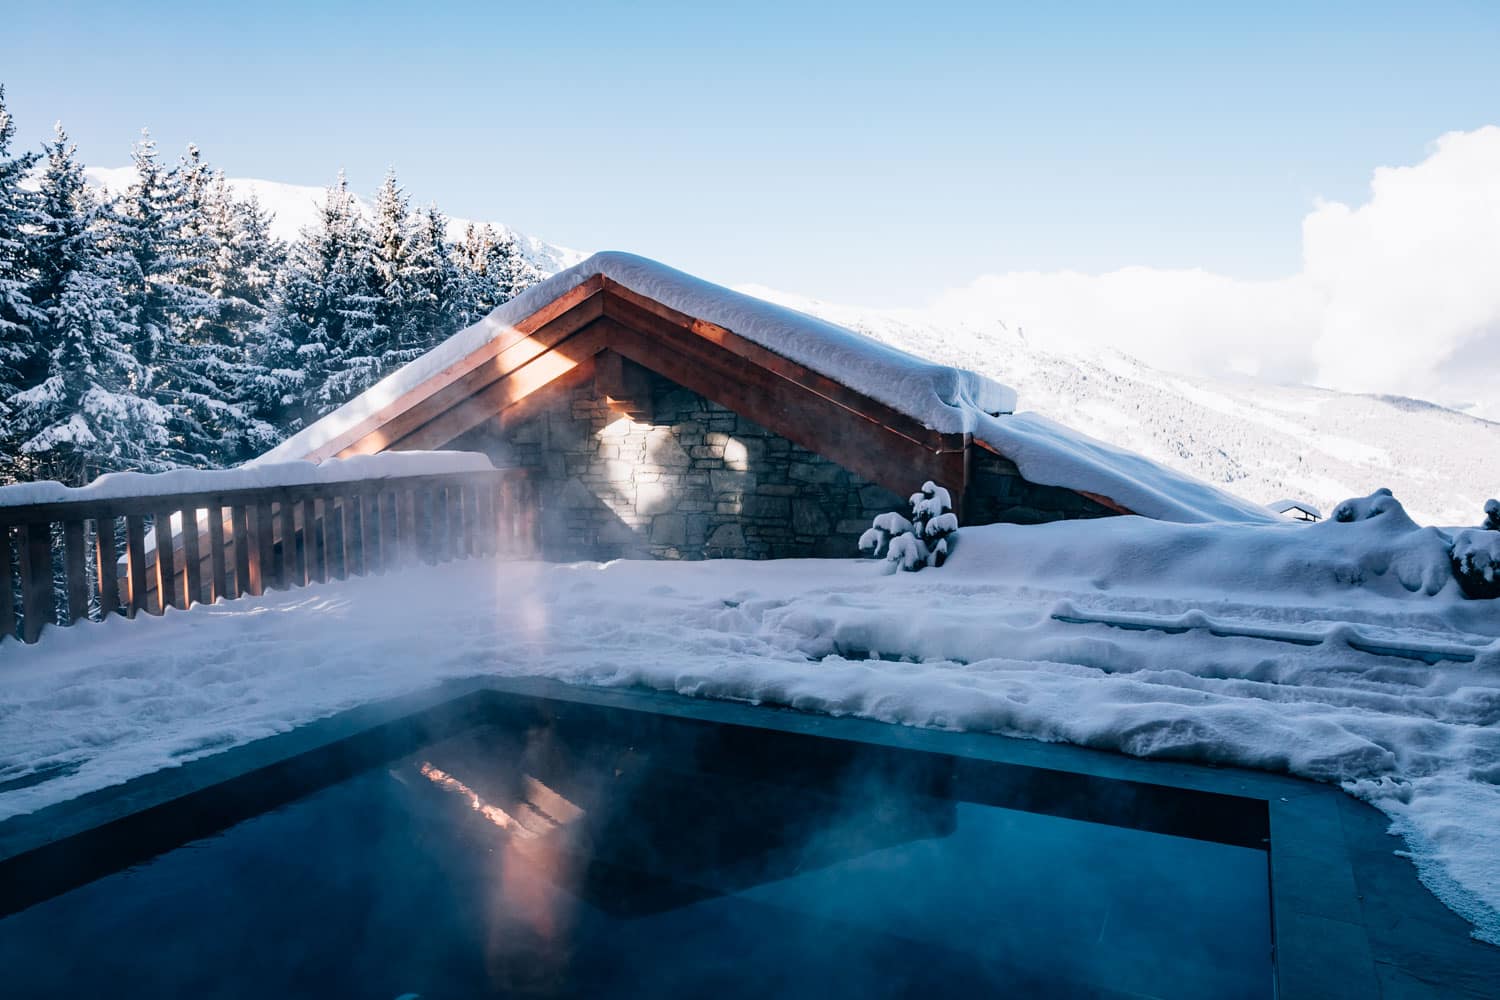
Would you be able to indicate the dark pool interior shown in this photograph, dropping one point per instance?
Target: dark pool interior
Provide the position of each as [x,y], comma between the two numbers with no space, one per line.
[551,850]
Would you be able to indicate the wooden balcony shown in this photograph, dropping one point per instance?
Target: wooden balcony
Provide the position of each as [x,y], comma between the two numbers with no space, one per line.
[63,563]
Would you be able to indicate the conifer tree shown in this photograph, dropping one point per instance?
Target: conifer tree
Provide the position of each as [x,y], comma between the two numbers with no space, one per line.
[20,360]
[167,251]
[397,284]
[434,311]
[89,411]
[323,309]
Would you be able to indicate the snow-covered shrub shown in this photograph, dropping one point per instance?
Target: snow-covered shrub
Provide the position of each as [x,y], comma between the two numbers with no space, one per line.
[1476,562]
[1363,508]
[1492,515]
[921,541]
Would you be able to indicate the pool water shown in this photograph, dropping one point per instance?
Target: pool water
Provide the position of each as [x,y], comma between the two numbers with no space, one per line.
[606,856]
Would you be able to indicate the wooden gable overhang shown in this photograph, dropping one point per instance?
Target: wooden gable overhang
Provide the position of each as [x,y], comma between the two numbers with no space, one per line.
[592,330]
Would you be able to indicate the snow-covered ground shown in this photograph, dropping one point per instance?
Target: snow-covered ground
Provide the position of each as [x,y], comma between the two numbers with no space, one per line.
[1288,647]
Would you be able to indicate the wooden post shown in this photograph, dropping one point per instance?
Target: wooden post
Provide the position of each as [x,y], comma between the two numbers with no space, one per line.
[75,571]
[336,526]
[407,502]
[239,529]
[192,559]
[218,564]
[135,554]
[107,565]
[472,523]
[489,518]
[166,566]
[312,542]
[369,532]
[390,532]
[437,528]
[36,579]
[263,567]
[290,569]
[458,538]
[7,597]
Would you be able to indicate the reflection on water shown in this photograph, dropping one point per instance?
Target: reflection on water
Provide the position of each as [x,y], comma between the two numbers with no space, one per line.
[570,857]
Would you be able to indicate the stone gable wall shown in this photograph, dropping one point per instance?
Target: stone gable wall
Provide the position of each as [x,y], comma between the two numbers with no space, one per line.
[700,481]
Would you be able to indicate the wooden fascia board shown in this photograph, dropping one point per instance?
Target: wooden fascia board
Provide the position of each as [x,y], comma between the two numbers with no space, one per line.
[763,357]
[345,443]
[503,393]
[517,353]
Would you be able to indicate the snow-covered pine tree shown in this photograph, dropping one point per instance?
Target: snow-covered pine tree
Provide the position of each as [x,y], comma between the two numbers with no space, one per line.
[397,286]
[435,307]
[245,259]
[513,271]
[324,308]
[921,541]
[477,291]
[1492,515]
[493,270]
[21,358]
[90,411]
[167,250]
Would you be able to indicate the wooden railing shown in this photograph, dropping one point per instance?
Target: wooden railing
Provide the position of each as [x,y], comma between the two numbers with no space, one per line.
[88,559]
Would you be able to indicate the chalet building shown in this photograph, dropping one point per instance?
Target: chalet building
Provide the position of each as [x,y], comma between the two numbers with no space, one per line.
[661,416]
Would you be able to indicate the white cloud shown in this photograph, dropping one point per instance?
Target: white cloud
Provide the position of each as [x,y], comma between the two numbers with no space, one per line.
[1398,295]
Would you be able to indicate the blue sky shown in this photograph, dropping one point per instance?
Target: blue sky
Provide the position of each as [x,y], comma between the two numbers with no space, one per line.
[867,153]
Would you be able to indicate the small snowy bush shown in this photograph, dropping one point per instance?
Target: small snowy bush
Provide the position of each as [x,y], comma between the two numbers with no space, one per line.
[1492,515]
[1476,562]
[921,541]
[1364,508]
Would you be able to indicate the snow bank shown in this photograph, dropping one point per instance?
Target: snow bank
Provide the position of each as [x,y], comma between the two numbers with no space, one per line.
[116,485]
[1336,651]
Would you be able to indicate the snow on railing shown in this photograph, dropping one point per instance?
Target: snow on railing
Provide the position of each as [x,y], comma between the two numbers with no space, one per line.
[87,553]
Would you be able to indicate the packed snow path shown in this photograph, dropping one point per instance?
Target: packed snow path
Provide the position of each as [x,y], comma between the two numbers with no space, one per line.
[1284,647]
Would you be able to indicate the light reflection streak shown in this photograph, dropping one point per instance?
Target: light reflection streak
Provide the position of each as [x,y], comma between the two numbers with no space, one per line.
[493,813]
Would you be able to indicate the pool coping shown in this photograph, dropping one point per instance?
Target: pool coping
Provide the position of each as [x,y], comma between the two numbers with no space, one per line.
[1349,916]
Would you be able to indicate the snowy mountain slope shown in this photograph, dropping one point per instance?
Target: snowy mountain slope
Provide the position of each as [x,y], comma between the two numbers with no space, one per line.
[1255,439]
[294,206]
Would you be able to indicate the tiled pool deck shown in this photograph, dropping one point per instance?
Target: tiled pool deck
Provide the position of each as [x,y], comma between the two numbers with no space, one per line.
[1350,918]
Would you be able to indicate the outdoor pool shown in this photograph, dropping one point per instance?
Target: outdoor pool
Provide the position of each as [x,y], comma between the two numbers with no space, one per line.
[549,850]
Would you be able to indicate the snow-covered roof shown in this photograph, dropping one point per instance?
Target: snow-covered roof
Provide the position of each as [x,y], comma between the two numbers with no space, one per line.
[1282,506]
[945,399]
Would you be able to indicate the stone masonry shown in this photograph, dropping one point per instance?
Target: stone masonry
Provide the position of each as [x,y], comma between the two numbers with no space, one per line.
[700,481]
